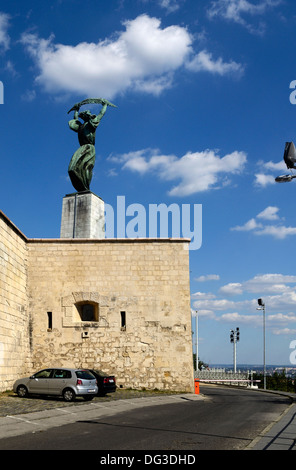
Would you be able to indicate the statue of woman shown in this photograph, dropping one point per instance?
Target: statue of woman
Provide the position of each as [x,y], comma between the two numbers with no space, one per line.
[82,163]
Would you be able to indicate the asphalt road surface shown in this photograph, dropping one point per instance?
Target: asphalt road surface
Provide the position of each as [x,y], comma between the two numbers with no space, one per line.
[227,419]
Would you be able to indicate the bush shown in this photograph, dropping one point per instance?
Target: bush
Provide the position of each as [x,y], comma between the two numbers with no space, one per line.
[277,381]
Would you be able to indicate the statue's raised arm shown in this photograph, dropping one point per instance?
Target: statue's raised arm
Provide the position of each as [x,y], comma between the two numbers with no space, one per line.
[102,101]
[83,160]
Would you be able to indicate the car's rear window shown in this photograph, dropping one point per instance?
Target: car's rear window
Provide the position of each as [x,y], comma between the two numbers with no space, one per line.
[84,374]
[100,373]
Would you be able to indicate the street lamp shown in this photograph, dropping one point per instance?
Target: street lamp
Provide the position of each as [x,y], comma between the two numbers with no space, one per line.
[290,161]
[284,178]
[234,338]
[262,307]
[196,325]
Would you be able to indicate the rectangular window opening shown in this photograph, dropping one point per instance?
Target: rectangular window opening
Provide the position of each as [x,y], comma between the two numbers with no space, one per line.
[123,320]
[49,321]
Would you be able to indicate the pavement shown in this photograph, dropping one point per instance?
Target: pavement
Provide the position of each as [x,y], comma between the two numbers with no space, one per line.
[281,434]
[20,416]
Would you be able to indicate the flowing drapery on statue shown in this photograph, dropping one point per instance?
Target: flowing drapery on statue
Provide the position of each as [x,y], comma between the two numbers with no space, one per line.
[82,162]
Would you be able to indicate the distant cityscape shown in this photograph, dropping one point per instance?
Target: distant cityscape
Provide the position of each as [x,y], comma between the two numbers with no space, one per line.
[270,368]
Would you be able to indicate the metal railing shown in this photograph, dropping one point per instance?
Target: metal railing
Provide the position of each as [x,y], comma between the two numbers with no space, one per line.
[223,376]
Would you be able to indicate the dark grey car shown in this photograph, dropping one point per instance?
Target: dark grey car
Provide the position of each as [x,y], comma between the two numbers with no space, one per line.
[65,382]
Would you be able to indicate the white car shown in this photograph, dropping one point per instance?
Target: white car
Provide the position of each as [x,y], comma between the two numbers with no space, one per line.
[65,382]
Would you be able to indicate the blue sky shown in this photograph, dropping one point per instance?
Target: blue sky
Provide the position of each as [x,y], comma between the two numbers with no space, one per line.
[202,90]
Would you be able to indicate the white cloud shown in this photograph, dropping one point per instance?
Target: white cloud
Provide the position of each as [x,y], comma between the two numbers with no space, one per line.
[281,301]
[28,95]
[282,318]
[263,180]
[277,290]
[208,277]
[254,320]
[271,278]
[214,304]
[202,296]
[248,226]
[154,86]
[197,172]
[144,58]
[4,37]
[203,62]
[269,283]
[233,288]
[270,213]
[236,10]
[169,5]
[284,331]
[277,231]
[9,67]
[209,314]
[277,284]
[273,166]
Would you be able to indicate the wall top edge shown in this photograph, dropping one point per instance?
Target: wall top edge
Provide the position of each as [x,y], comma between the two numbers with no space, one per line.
[13,226]
[108,240]
[90,240]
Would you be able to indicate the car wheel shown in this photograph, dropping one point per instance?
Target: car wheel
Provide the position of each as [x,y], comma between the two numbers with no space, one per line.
[69,394]
[22,391]
[88,397]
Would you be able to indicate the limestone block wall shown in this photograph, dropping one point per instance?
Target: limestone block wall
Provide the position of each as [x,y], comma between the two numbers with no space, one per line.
[15,331]
[139,292]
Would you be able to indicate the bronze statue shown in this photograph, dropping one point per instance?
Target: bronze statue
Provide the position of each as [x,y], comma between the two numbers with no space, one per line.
[82,163]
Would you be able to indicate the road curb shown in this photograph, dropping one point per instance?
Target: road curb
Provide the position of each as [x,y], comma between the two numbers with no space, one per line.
[261,441]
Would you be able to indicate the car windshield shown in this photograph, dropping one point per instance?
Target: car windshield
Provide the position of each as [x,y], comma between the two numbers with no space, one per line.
[43,374]
[84,374]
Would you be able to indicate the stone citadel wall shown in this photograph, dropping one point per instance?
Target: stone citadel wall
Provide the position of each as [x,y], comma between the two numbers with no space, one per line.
[15,324]
[120,305]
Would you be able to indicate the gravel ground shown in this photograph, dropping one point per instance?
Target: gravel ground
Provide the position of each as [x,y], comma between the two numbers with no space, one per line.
[11,404]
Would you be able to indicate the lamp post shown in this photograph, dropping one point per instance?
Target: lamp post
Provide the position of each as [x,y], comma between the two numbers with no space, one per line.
[196,327]
[234,338]
[262,307]
[284,178]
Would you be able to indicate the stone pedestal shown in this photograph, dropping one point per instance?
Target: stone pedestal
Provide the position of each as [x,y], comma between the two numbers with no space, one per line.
[83,216]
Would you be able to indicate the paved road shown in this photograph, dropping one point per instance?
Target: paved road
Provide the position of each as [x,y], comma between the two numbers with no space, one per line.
[220,418]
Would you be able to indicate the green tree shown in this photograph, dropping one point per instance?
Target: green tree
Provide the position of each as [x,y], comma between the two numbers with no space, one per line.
[201,364]
[277,381]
